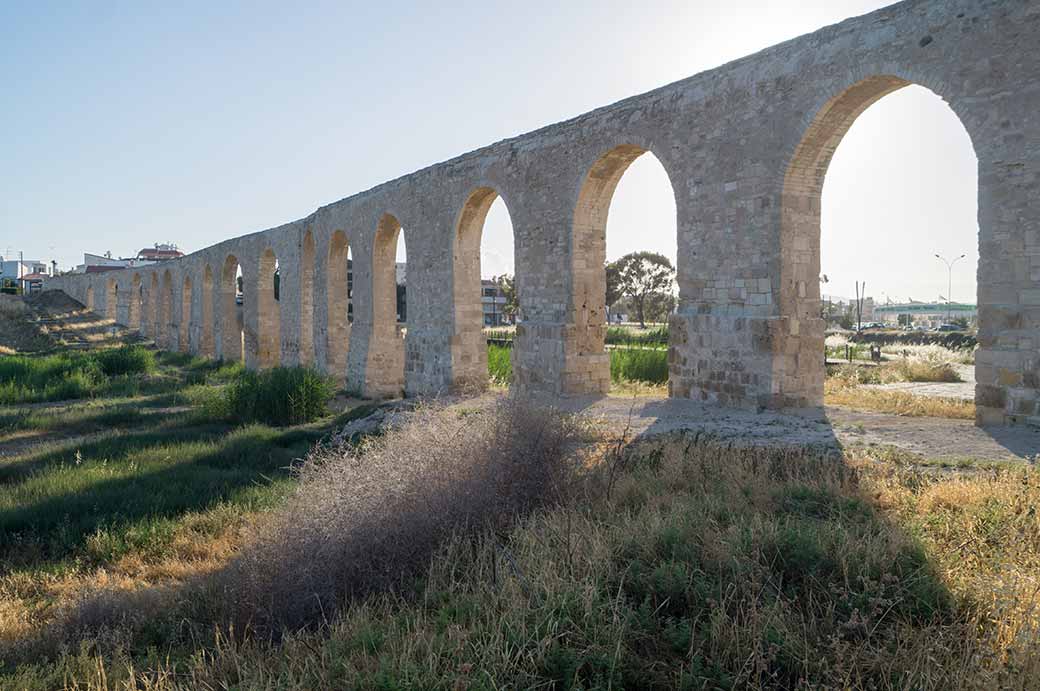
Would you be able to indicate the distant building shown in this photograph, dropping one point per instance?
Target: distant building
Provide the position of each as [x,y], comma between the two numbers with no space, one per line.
[18,268]
[493,302]
[32,283]
[926,313]
[160,253]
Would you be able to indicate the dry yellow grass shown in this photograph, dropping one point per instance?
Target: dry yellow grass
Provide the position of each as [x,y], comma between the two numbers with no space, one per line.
[897,402]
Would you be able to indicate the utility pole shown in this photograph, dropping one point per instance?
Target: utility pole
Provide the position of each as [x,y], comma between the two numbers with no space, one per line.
[949,287]
[859,304]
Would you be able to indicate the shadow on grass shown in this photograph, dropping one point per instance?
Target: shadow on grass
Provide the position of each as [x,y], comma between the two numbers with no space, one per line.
[132,480]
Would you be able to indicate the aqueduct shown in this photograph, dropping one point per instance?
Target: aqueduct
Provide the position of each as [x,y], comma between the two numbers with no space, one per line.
[746,147]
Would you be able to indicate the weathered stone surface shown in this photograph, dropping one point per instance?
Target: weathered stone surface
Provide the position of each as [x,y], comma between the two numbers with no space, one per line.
[746,147]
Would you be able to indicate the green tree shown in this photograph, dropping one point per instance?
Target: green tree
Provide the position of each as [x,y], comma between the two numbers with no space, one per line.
[507,284]
[613,285]
[642,275]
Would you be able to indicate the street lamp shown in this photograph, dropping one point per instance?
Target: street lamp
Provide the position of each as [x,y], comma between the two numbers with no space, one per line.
[949,291]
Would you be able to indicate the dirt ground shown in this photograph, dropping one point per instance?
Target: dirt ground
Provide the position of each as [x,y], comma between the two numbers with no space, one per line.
[833,426]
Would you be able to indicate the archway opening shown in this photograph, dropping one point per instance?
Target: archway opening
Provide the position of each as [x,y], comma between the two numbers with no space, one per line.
[268,311]
[628,278]
[207,346]
[184,333]
[306,335]
[485,299]
[878,187]
[232,341]
[337,292]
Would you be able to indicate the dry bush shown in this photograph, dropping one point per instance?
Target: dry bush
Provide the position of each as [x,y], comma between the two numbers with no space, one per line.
[367,518]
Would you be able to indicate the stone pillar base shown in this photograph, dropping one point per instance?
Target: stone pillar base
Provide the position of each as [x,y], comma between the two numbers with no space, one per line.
[745,361]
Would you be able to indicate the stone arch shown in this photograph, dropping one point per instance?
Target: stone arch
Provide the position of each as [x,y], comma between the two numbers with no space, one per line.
[111,299]
[184,332]
[587,365]
[306,337]
[798,370]
[337,292]
[136,300]
[206,344]
[232,340]
[167,328]
[468,345]
[268,311]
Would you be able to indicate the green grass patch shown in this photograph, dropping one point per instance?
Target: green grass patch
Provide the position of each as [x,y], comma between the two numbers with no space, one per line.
[96,501]
[71,375]
[623,335]
[500,366]
[279,396]
[626,364]
[639,364]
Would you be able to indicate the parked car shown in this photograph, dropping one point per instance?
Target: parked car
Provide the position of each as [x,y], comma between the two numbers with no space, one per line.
[947,327]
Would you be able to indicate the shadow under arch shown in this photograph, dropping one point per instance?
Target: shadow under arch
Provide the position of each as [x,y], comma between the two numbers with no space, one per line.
[468,346]
[799,377]
[587,366]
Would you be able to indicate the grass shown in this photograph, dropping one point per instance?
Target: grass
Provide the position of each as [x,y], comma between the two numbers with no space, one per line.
[624,335]
[671,563]
[647,365]
[897,402]
[500,366]
[70,375]
[627,365]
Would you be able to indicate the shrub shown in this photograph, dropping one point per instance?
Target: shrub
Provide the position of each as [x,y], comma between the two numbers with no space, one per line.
[279,396]
[51,377]
[128,359]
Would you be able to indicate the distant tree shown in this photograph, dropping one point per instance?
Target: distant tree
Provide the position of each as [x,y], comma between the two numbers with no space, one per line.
[613,285]
[507,284]
[659,306]
[643,274]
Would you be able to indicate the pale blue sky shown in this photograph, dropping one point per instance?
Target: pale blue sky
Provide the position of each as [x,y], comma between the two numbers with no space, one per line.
[126,125]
